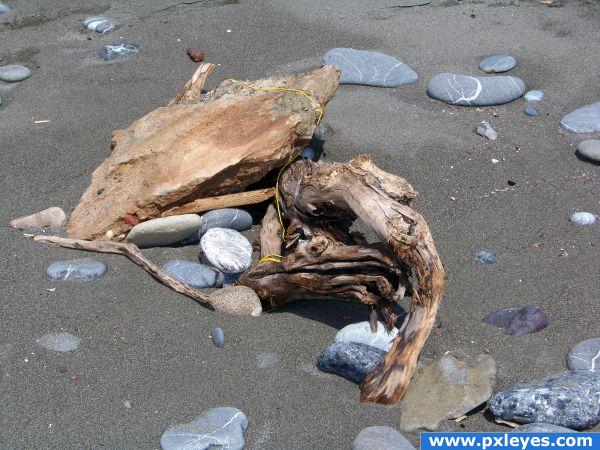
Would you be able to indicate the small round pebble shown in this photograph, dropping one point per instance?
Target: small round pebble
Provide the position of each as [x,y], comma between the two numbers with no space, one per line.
[76,270]
[100,24]
[498,64]
[485,257]
[266,360]
[585,356]
[308,153]
[218,337]
[582,218]
[534,96]
[532,112]
[590,149]
[14,72]
[4,8]
[59,342]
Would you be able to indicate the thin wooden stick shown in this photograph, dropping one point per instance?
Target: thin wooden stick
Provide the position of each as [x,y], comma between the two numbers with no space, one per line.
[222,201]
[194,85]
[132,252]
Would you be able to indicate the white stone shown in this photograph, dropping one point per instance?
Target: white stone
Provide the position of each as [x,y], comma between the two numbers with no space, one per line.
[227,250]
[361,333]
[164,231]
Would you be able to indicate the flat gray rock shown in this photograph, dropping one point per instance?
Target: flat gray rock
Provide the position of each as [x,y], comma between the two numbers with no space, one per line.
[498,64]
[486,129]
[76,270]
[542,428]
[583,120]
[223,428]
[475,91]
[447,389]
[381,438]
[590,149]
[361,333]
[567,399]
[349,360]
[369,68]
[14,72]
[194,274]
[164,231]
[227,250]
[99,24]
[59,342]
[585,356]
[234,219]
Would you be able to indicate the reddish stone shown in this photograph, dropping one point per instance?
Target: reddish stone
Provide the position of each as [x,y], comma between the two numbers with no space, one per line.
[74,378]
[131,220]
[195,54]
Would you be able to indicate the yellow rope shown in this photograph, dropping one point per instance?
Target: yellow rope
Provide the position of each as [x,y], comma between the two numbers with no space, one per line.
[273,257]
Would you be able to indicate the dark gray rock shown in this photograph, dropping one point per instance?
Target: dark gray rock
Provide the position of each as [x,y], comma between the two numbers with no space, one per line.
[519,321]
[475,91]
[308,153]
[568,399]
[369,68]
[231,218]
[585,356]
[583,120]
[217,428]
[110,52]
[498,63]
[194,274]
[381,438]
[350,360]
[218,337]
[590,149]
[76,270]
[14,72]
[542,428]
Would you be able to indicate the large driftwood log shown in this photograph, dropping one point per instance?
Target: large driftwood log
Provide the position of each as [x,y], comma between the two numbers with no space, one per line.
[322,260]
[201,145]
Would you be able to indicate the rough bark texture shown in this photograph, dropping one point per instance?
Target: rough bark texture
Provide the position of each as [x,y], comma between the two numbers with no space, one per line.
[202,145]
[322,260]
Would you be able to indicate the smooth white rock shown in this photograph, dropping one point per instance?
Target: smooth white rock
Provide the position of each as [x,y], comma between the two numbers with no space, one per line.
[164,231]
[361,333]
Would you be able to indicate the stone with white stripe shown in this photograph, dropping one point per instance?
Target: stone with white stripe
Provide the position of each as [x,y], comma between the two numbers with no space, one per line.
[369,68]
[467,90]
[585,356]
[221,427]
[584,120]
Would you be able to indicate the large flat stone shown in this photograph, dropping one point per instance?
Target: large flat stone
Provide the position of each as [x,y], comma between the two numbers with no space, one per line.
[584,120]
[164,231]
[467,90]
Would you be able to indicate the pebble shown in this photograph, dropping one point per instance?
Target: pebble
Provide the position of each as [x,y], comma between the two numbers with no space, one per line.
[534,96]
[369,68]
[266,360]
[100,24]
[231,218]
[446,389]
[519,321]
[218,337]
[349,360]
[195,54]
[585,356]
[59,342]
[221,427]
[590,149]
[227,250]
[308,153]
[237,300]
[485,129]
[53,217]
[194,274]
[164,230]
[532,112]
[110,52]
[4,8]
[498,63]
[14,72]
[567,399]
[475,91]
[76,270]
[583,120]
[381,438]
[361,333]
[485,257]
[582,218]
[542,428]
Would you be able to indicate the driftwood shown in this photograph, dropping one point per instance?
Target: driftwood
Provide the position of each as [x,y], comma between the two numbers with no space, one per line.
[222,201]
[321,259]
[201,145]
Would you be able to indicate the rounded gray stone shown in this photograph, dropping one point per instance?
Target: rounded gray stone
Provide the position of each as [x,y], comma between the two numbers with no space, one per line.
[193,274]
[227,250]
[590,149]
[76,270]
[583,120]
[381,438]
[567,399]
[4,8]
[542,428]
[369,68]
[218,337]
[231,218]
[164,231]
[361,333]
[14,72]
[582,218]
[534,96]
[467,90]
[585,356]
[221,427]
[498,63]
[59,342]
[350,360]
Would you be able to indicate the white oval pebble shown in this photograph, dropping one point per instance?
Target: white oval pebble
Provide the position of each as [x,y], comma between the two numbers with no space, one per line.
[582,218]
[14,72]
[227,250]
